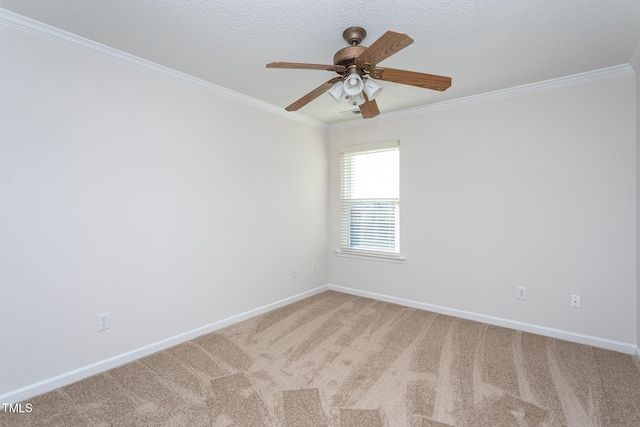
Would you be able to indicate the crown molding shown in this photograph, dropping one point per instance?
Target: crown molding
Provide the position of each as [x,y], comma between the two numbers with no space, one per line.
[40,29]
[574,79]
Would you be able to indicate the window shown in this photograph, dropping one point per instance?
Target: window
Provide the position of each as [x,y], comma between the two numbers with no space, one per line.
[370,199]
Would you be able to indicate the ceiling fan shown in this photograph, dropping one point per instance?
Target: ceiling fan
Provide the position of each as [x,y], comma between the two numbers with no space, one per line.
[356,67]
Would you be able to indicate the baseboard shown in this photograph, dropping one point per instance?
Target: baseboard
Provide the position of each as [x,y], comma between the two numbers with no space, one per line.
[70,377]
[618,346]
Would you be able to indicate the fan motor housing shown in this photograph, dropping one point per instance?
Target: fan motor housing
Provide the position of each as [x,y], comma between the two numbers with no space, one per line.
[348,55]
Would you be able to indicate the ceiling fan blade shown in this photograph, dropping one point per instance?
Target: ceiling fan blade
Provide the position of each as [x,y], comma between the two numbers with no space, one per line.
[412,78]
[369,109]
[301,66]
[313,94]
[388,44]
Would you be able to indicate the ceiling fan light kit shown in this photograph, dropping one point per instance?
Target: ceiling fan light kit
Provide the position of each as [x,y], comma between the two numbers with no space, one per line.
[356,66]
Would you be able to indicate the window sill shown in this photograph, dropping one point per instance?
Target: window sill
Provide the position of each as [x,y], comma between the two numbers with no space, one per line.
[369,257]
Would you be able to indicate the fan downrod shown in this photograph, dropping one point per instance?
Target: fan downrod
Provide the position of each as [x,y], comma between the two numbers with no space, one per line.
[354,35]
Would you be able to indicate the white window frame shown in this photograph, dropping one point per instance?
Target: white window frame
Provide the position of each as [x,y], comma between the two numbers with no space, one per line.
[373,250]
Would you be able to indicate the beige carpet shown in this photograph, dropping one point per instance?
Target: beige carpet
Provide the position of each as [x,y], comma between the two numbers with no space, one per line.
[340,360]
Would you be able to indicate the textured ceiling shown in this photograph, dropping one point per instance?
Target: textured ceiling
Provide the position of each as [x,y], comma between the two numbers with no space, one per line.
[484,45]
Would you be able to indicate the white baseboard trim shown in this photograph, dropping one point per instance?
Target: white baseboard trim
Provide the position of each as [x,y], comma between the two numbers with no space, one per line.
[618,346]
[70,377]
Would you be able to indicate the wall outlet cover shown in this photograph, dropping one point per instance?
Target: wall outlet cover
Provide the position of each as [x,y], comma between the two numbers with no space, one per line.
[575,301]
[522,293]
[104,321]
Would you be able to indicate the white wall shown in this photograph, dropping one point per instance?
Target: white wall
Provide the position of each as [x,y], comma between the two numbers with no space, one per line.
[536,190]
[125,191]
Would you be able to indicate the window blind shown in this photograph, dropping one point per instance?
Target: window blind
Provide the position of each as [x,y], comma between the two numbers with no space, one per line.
[370,198]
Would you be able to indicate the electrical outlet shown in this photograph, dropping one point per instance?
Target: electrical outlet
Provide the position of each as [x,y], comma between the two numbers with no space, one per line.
[522,293]
[294,273]
[575,301]
[104,321]
[314,267]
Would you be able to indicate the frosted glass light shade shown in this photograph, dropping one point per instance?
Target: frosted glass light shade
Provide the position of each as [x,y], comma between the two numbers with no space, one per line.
[357,99]
[353,84]
[372,89]
[336,91]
